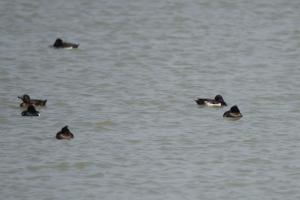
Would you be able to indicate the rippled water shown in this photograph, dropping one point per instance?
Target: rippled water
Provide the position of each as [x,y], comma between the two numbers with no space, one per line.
[127,95]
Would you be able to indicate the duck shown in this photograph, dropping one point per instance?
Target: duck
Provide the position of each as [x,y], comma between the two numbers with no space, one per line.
[234,112]
[218,101]
[59,43]
[31,111]
[27,101]
[64,134]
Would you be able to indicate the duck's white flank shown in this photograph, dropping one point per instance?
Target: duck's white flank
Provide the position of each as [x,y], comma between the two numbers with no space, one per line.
[212,104]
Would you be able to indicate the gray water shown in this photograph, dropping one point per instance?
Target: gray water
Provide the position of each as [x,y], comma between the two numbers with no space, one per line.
[128,95]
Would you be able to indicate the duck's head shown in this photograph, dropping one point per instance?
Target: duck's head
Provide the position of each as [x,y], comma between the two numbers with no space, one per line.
[234,109]
[65,129]
[220,99]
[58,42]
[25,98]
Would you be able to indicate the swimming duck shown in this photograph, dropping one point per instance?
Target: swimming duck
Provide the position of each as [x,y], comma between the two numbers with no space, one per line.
[64,134]
[59,43]
[27,101]
[31,111]
[234,112]
[217,102]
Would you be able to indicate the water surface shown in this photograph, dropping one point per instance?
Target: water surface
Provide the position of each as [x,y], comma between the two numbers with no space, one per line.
[128,95]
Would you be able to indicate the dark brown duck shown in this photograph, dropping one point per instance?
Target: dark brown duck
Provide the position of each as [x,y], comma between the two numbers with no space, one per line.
[28,101]
[64,134]
[233,113]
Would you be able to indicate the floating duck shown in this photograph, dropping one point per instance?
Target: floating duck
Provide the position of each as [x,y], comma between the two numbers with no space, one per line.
[64,134]
[234,112]
[217,102]
[59,43]
[28,101]
[31,111]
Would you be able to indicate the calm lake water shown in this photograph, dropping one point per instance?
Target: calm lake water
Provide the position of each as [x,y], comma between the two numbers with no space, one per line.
[128,95]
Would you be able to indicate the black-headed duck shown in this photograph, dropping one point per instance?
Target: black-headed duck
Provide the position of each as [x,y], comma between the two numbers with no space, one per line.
[31,111]
[218,101]
[59,43]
